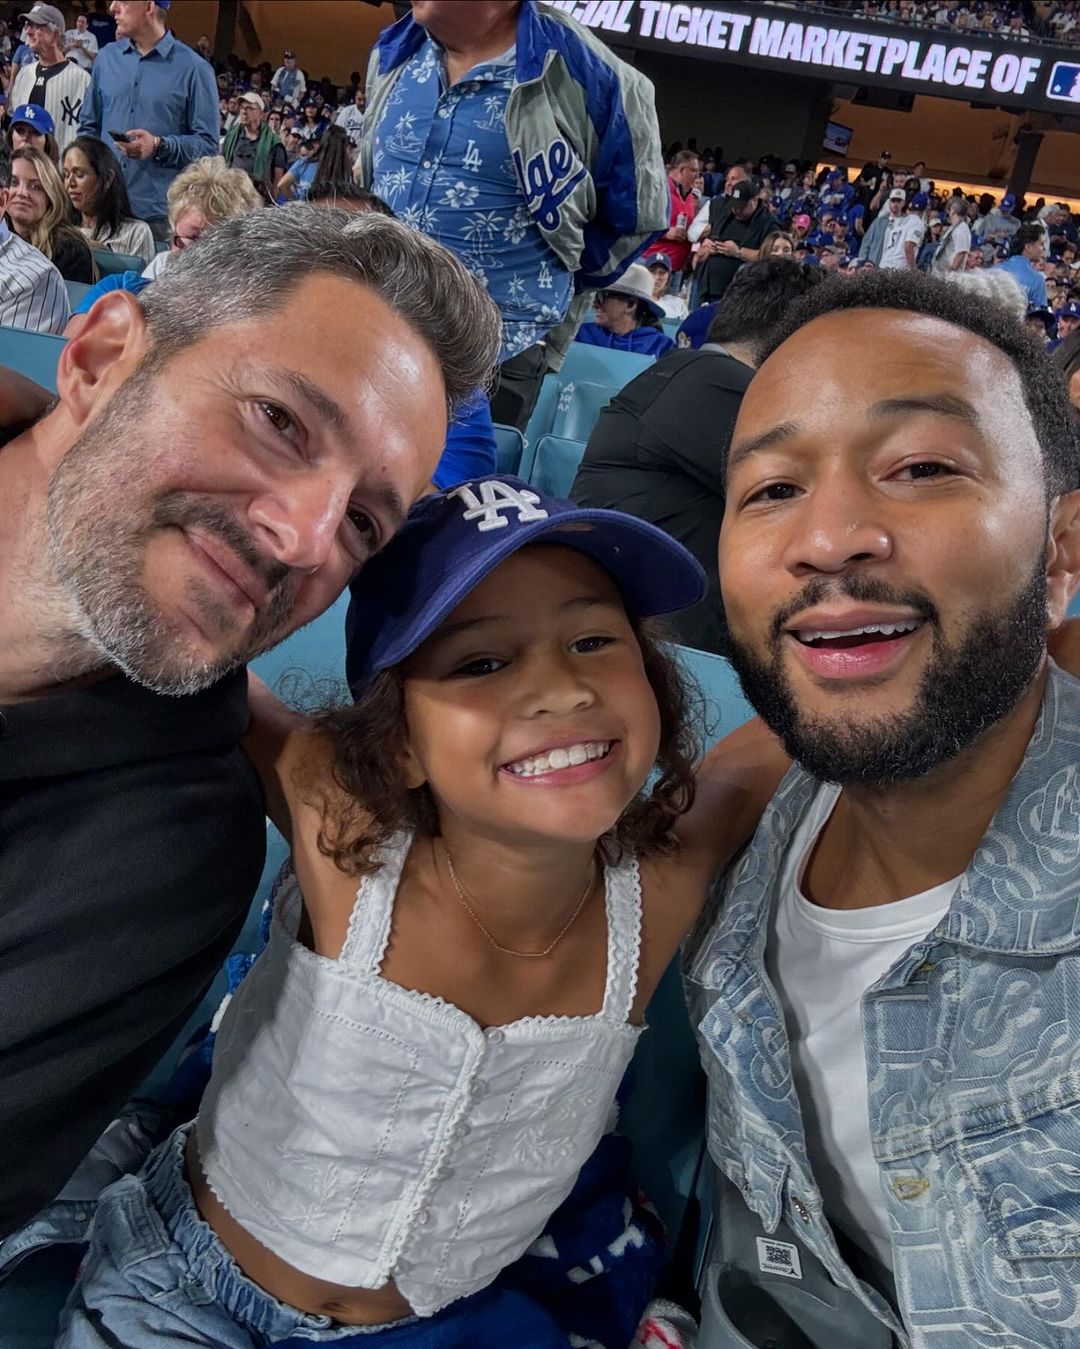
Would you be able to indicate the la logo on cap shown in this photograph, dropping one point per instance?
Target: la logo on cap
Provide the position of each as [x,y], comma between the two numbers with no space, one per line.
[496,497]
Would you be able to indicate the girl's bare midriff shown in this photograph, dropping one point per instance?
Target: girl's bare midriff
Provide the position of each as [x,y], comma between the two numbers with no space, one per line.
[351,1306]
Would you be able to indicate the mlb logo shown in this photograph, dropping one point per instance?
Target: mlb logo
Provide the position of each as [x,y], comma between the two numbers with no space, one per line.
[1065,82]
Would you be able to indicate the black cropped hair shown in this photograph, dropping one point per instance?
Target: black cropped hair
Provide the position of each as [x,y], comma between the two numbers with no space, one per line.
[1044,389]
[758,298]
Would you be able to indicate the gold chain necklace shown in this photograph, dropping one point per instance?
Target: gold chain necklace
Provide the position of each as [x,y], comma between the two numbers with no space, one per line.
[508,950]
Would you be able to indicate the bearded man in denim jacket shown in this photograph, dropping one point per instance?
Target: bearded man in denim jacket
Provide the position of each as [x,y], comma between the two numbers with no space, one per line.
[887,995]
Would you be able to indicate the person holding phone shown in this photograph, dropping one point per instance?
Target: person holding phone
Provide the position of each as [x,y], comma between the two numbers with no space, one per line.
[158,103]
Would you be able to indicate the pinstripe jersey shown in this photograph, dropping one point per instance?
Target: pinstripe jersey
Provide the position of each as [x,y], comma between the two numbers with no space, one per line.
[64,93]
[32,291]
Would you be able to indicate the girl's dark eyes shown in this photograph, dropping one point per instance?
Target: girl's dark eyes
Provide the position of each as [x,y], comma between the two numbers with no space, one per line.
[585,645]
[481,665]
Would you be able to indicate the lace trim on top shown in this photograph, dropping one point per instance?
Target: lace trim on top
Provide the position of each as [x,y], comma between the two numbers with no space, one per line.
[368,934]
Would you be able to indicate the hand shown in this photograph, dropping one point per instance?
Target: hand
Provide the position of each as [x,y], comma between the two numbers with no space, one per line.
[677,234]
[140,145]
[728,247]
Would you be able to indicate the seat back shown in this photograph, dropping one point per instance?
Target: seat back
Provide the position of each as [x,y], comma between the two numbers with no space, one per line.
[509,449]
[110,263]
[602,365]
[555,464]
[664,1115]
[578,409]
[31,354]
[76,292]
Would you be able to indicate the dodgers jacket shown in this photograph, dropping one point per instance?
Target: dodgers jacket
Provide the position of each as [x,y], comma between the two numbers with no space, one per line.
[582,129]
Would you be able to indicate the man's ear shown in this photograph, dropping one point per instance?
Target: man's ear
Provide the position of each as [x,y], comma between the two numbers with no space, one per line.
[1062,557]
[107,348]
[411,769]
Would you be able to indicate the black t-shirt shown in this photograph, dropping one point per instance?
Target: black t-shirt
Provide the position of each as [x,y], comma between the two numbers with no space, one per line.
[658,451]
[718,272]
[132,838]
[244,157]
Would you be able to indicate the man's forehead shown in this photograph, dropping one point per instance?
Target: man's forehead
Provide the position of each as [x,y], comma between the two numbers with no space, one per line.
[852,359]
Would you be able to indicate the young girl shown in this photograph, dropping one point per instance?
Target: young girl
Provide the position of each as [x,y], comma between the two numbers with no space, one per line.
[484,896]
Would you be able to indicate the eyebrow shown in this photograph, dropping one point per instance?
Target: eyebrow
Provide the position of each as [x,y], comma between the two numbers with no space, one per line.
[328,408]
[941,404]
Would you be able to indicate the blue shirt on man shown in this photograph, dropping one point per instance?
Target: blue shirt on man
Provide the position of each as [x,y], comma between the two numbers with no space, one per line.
[1031,281]
[170,92]
[442,161]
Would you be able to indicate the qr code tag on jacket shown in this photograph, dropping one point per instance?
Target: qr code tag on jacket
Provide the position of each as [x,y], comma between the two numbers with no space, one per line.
[779,1257]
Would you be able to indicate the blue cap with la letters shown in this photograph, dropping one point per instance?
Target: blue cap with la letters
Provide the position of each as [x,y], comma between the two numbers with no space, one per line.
[452,540]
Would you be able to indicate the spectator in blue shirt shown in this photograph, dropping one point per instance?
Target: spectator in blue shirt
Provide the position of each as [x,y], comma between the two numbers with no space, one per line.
[162,95]
[627,316]
[1026,248]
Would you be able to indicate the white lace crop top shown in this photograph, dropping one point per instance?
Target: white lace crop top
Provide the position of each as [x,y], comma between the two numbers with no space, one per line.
[365,1132]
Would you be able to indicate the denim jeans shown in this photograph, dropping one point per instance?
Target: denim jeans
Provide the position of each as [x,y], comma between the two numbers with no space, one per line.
[157,1276]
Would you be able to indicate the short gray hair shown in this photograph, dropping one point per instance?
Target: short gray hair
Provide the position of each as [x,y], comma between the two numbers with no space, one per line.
[990,283]
[248,266]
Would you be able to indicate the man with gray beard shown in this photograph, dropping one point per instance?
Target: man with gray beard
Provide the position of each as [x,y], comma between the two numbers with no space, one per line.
[204,485]
[888,998]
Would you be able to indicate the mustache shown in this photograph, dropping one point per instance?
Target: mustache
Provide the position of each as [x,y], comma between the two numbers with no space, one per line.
[853,586]
[180,510]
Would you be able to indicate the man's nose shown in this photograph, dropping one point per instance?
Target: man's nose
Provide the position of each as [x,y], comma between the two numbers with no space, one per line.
[299,525]
[840,523]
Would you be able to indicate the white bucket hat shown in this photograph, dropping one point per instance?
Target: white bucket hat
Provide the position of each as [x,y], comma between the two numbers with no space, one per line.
[637,283]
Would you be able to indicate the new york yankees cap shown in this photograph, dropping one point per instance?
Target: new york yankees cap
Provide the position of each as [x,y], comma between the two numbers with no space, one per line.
[453,539]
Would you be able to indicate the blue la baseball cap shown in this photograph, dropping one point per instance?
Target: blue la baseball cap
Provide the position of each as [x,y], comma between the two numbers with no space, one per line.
[1071,310]
[31,115]
[1008,201]
[452,540]
[919,202]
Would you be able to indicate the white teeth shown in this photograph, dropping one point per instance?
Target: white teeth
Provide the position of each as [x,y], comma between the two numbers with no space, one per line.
[885,629]
[555,759]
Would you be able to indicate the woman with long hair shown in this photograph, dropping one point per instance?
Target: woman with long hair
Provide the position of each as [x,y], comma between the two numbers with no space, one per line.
[779,244]
[39,212]
[329,161]
[95,188]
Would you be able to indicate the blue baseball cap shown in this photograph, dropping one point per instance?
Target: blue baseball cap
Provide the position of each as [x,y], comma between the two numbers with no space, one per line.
[1071,310]
[919,202]
[1008,201]
[452,540]
[819,239]
[31,115]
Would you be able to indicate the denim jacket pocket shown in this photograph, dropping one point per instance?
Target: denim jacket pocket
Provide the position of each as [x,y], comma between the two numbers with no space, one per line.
[1025,1177]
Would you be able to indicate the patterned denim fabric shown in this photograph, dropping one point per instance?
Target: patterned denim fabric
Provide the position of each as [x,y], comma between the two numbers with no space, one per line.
[442,161]
[972,1058]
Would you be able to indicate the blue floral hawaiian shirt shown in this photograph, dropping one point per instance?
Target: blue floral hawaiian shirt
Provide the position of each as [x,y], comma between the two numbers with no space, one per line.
[441,160]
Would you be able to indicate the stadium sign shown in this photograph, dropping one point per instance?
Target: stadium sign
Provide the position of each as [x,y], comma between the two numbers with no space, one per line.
[981,69]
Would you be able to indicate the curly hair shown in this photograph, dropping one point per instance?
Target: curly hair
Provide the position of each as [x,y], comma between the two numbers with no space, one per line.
[210,186]
[368,741]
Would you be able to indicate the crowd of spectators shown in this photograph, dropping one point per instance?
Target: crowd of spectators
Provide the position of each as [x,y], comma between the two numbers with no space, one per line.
[1034,21]
[1026,252]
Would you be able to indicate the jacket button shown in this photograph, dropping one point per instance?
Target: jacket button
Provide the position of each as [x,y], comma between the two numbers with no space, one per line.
[423,1217]
[495,1037]
[800,1208]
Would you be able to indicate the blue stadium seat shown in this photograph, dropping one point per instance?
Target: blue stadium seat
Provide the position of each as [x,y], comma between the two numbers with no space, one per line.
[664,1115]
[671,327]
[509,449]
[32,354]
[584,364]
[76,291]
[110,263]
[579,408]
[555,464]
[1074,608]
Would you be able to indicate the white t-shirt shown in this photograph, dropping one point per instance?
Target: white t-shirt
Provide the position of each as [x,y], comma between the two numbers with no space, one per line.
[821,962]
[904,229]
[351,120]
[957,240]
[674,306]
[85,49]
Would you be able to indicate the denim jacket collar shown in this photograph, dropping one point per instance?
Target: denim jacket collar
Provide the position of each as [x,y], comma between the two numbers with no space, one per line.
[1007,901]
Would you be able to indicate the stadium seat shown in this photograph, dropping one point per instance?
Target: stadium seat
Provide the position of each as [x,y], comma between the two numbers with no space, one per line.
[671,327]
[76,291]
[109,264]
[578,409]
[32,354]
[509,449]
[584,364]
[555,463]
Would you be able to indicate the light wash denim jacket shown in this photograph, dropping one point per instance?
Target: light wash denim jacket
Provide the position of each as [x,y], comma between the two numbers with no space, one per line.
[972,1058]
